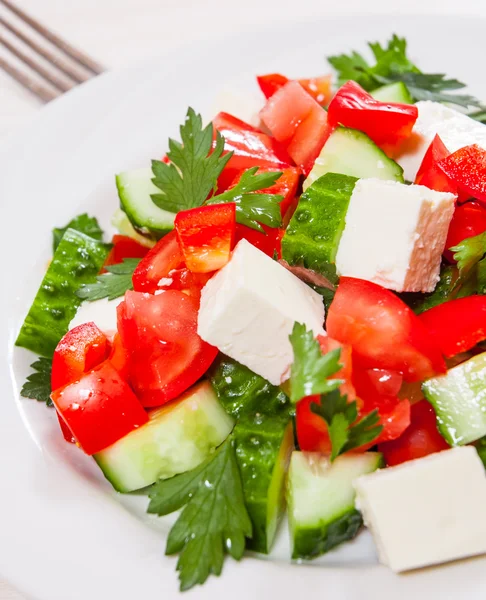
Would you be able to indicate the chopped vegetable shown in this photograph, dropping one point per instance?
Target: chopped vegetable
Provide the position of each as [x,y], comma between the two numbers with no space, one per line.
[38,384]
[112,284]
[82,223]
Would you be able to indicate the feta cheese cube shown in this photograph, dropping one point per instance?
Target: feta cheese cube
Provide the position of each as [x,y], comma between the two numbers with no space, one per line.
[248,310]
[455,129]
[101,312]
[395,235]
[426,511]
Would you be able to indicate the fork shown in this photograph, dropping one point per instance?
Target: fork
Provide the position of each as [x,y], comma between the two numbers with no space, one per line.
[50,65]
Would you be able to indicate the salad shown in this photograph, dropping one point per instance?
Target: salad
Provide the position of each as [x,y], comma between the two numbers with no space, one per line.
[292,316]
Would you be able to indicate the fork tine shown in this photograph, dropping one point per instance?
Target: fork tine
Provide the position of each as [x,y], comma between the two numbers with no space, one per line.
[41,90]
[60,83]
[56,59]
[77,55]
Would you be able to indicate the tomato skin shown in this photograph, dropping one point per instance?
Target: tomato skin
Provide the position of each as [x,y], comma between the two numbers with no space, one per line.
[166,355]
[270,83]
[469,220]
[467,169]
[386,123]
[99,408]
[457,325]
[206,236]
[157,264]
[80,350]
[429,173]
[420,439]
[119,356]
[250,147]
[382,330]
[124,247]
[318,87]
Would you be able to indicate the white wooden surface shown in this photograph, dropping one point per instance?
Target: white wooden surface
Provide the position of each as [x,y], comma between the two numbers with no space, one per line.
[121,32]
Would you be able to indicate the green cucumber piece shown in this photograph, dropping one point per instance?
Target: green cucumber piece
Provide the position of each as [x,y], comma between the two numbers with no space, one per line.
[122,223]
[352,152]
[320,498]
[243,393]
[77,261]
[459,401]
[134,190]
[82,223]
[177,438]
[393,92]
[314,232]
[264,445]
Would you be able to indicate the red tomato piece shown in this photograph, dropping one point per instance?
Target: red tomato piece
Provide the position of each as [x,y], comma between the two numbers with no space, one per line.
[119,356]
[469,220]
[206,236]
[124,247]
[80,350]
[157,264]
[327,344]
[430,174]
[269,242]
[270,83]
[309,139]
[458,325]
[386,123]
[311,429]
[382,330]
[99,408]
[467,169]
[250,147]
[419,440]
[166,354]
[318,87]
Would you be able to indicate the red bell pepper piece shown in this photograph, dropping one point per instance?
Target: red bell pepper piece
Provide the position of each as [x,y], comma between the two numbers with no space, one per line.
[430,174]
[269,242]
[99,408]
[469,220]
[467,169]
[124,247]
[382,330]
[271,83]
[206,236]
[420,439]
[386,123]
[457,325]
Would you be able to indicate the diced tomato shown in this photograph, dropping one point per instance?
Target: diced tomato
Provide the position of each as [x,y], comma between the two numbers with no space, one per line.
[80,350]
[186,281]
[382,330]
[458,325]
[269,242]
[250,147]
[419,440]
[119,356]
[99,408]
[386,123]
[469,220]
[157,264]
[318,87]
[430,174]
[124,247]
[206,236]
[298,121]
[166,354]
[467,169]
[286,185]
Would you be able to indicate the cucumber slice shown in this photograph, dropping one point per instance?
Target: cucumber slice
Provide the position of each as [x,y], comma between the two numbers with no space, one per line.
[135,189]
[177,438]
[314,232]
[393,92]
[76,261]
[122,223]
[459,401]
[263,449]
[352,152]
[320,498]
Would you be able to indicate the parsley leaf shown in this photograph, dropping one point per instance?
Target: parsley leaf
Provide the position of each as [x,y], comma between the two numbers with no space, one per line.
[82,223]
[345,432]
[254,208]
[311,369]
[38,384]
[469,254]
[194,169]
[110,285]
[214,519]
[392,64]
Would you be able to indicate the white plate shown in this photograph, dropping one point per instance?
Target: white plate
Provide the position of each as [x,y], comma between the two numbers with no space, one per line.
[64,533]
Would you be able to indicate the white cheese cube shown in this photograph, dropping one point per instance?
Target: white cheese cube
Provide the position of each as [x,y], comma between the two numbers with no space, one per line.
[101,312]
[426,511]
[455,129]
[248,310]
[395,235]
